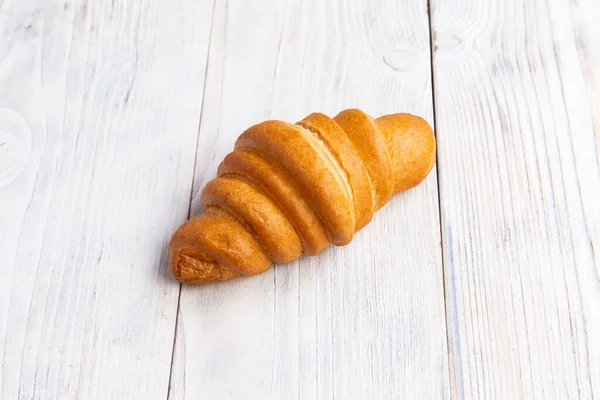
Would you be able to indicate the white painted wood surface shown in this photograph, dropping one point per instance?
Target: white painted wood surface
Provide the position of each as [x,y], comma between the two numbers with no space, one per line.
[99,104]
[113,113]
[347,323]
[516,94]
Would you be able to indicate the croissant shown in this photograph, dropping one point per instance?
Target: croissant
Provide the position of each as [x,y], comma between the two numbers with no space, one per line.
[288,190]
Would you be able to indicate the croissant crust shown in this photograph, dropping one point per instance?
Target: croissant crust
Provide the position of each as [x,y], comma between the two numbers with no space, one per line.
[293,189]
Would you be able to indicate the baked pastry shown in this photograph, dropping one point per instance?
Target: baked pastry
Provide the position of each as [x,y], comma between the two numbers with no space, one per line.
[293,189]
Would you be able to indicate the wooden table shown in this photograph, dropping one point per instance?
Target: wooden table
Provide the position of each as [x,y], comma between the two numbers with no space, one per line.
[483,282]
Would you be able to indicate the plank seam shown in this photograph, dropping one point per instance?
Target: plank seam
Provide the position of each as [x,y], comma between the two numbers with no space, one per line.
[212,20]
[437,173]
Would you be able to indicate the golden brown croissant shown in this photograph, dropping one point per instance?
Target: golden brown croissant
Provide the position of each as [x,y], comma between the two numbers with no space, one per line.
[288,190]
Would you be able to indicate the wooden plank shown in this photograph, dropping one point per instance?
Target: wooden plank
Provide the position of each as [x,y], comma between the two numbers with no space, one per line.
[364,321]
[99,106]
[516,94]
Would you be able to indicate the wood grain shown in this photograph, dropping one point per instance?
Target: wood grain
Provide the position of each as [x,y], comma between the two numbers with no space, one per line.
[99,106]
[516,95]
[363,321]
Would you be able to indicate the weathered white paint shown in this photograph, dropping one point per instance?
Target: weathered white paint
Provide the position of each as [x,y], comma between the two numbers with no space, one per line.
[364,321]
[15,145]
[99,104]
[515,83]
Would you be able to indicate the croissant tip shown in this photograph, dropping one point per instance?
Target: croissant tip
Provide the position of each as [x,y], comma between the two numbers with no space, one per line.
[411,143]
[190,270]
